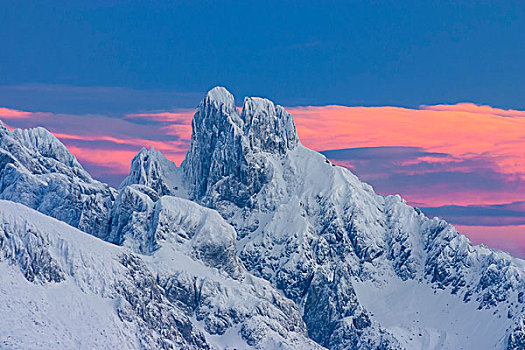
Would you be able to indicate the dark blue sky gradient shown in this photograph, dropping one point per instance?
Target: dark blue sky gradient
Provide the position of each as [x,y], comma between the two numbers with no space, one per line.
[404,53]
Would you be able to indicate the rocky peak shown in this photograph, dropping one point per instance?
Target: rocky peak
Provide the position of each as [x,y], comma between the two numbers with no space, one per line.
[268,127]
[31,145]
[226,149]
[219,96]
[40,152]
[37,170]
[152,169]
[216,111]
[46,144]
[2,127]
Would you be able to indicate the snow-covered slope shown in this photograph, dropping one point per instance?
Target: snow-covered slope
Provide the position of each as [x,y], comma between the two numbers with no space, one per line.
[255,241]
[62,288]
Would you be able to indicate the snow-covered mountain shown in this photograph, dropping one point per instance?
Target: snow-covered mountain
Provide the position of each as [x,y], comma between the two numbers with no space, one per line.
[254,241]
[38,171]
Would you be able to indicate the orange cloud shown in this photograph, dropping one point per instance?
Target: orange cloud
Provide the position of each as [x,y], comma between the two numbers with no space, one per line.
[178,117]
[463,130]
[13,113]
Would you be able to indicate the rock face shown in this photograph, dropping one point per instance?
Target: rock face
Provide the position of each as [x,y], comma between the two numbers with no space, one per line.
[224,162]
[152,169]
[38,171]
[117,298]
[517,336]
[255,241]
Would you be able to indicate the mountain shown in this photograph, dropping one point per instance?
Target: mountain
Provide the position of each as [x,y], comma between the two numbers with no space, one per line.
[38,171]
[62,288]
[254,241]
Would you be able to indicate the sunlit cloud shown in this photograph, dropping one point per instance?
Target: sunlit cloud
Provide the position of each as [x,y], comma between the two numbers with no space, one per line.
[431,178]
[477,109]
[508,238]
[13,113]
[105,145]
[183,117]
[463,132]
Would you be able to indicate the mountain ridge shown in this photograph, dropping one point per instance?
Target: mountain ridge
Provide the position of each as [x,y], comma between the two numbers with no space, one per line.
[311,229]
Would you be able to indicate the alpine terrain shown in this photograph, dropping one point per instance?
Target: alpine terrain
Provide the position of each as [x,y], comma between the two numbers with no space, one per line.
[253,242]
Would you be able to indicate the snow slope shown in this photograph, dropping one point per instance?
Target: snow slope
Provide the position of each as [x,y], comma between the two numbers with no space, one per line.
[424,318]
[62,288]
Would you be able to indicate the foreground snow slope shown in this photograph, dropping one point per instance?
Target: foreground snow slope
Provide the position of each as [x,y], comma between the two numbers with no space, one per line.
[62,288]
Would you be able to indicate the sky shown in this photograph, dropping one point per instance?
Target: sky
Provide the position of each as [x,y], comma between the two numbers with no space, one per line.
[421,98]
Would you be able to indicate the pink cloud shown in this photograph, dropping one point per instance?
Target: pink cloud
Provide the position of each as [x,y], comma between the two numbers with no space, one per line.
[463,130]
[183,117]
[507,238]
[477,109]
[98,139]
[7,113]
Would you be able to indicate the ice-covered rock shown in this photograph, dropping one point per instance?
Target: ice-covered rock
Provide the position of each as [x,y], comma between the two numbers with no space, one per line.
[516,338]
[202,232]
[225,160]
[152,169]
[131,217]
[38,171]
[267,127]
[276,247]
[313,229]
[144,222]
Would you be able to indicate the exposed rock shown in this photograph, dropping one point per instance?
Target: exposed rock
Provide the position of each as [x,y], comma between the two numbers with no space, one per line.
[153,170]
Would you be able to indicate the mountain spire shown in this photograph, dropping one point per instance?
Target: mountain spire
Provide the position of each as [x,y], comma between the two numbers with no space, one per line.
[151,168]
[268,127]
[224,145]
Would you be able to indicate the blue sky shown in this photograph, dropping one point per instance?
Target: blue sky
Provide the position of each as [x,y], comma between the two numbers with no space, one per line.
[403,53]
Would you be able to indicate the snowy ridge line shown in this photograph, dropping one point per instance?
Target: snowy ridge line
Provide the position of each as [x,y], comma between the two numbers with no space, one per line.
[254,241]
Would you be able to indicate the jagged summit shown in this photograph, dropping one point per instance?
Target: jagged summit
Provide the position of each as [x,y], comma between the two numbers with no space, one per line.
[151,168]
[38,171]
[224,156]
[38,142]
[2,126]
[268,127]
[47,144]
[220,96]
